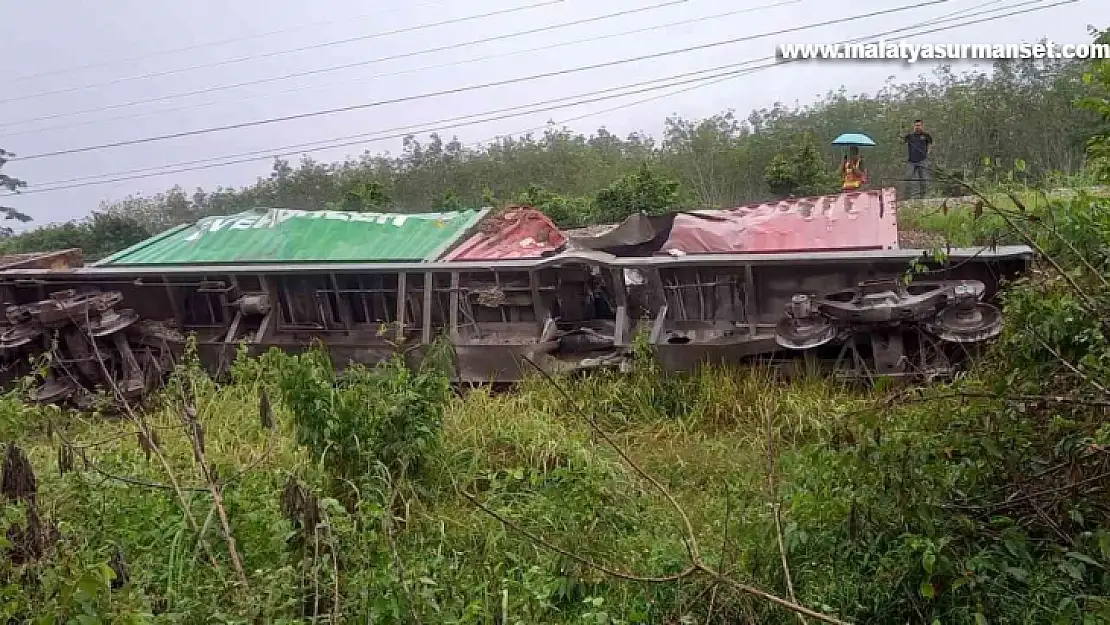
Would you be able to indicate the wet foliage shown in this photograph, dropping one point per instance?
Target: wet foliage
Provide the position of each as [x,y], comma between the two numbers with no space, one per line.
[350,495]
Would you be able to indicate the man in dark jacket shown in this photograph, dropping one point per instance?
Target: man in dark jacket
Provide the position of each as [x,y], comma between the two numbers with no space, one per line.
[917,143]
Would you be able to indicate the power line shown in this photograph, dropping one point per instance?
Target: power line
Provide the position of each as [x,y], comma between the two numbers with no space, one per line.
[264,55]
[213,44]
[515,111]
[324,143]
[947,17]
[457,90]
[333,68]
[364,137]
[453,124]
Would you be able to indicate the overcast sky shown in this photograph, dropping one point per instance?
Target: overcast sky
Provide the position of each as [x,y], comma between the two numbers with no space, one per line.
[105,58]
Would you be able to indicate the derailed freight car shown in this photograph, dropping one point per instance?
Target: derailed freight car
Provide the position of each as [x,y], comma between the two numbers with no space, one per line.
[817,276]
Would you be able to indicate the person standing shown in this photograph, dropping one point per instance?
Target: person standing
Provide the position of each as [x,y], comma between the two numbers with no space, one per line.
[917,144]
[852,170]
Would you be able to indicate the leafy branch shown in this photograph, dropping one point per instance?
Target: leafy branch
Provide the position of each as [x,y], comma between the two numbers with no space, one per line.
[13,185]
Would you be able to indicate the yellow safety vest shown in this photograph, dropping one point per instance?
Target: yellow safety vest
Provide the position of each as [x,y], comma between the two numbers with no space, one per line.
[853,177]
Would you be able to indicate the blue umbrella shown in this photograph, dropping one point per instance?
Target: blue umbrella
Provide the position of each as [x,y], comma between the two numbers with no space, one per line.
[853,138]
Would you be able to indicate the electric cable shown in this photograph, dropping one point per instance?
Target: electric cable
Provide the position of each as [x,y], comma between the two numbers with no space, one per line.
[447,124]
[333,68]
[947,17]
[212,44]
[274,53]
[457,90]
[512,111]
[326,142]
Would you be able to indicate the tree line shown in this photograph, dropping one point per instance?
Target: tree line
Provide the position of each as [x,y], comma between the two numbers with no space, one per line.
[1022,113]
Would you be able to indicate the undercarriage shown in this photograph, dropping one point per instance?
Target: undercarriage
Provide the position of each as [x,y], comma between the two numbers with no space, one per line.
[118,330]
[887,328]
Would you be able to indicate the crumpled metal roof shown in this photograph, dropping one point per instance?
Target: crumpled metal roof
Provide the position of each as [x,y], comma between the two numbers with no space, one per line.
[297,236]
[519,232]
[638,235]
[861,220]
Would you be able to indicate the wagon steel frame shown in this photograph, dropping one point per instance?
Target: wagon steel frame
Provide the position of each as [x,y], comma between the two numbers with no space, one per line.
[569,311]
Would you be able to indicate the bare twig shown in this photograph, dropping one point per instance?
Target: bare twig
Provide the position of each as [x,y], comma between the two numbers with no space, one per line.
[1071,463]
[1060,533]
[134,481]
[155,449]
[1048,399]
[696,562]
[776,507]
[80,449]
[1067,364]
[387,520]
[195,430]
[1064,361]
[207,523]
[1030,496]
[1083,259]
[117,437]
[574,556]
[908,397]
[691,544]
[766,596]
[1092,306]
[712,602]
[711,589]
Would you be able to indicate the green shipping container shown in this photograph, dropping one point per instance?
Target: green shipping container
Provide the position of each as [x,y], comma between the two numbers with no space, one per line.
[299,236]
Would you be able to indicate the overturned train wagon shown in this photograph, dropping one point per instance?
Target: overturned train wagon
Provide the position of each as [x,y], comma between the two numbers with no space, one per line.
[705,287]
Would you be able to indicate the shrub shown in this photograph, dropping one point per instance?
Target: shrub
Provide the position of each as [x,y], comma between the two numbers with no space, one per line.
[388,414]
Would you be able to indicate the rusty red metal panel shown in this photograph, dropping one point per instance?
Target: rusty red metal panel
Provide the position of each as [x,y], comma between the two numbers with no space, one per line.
[863,220]
[59,260]
[519,232]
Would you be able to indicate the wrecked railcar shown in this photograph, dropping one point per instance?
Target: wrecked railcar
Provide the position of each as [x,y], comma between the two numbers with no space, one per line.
[820,277]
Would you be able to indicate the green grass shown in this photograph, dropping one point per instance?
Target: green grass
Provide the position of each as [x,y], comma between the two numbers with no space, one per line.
[526,454]
[529,456]
[889,496]
[956,222]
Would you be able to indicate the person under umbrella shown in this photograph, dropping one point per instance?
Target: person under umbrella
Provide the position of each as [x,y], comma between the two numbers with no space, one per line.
[852,170]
